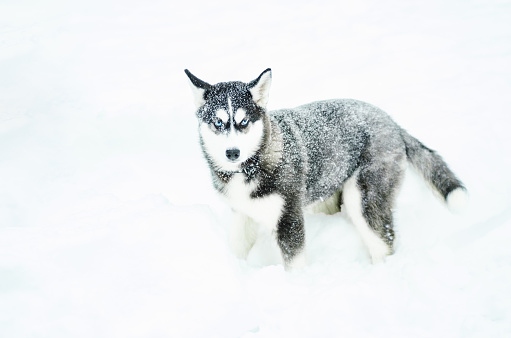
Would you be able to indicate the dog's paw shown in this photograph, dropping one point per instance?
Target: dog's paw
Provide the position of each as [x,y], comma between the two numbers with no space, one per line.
[298,262]
[378,251]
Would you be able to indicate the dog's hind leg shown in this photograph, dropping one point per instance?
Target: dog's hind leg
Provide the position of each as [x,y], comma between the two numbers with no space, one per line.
[368,197]
[242,234]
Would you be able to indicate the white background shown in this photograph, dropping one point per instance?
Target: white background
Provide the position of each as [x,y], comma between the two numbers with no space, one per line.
[109,226]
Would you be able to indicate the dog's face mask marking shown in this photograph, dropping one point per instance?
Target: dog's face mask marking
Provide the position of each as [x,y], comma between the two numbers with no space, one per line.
[230,114]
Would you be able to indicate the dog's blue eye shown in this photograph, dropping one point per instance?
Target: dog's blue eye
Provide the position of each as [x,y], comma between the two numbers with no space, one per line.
[219,124]
[244,122]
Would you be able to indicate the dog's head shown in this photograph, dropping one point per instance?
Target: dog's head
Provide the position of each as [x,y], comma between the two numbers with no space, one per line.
[231,118]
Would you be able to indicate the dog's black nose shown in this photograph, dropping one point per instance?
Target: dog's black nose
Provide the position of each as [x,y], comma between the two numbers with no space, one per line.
[232,154]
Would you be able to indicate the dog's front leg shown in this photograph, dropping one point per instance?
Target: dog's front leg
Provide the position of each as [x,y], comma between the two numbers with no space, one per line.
[242,234]
[291,237]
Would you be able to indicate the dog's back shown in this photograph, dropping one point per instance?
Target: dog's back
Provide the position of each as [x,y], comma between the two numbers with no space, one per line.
[335,137]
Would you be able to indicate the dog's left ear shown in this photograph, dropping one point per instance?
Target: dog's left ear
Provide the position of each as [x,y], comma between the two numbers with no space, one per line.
[260,88]
[199,87]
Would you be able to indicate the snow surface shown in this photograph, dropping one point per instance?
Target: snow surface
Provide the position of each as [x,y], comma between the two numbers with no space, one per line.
[109,225]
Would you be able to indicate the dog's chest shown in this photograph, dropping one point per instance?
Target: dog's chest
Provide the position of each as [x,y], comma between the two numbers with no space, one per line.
[265,210]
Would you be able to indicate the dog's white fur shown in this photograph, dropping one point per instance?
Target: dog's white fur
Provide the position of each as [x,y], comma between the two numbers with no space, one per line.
[457,200]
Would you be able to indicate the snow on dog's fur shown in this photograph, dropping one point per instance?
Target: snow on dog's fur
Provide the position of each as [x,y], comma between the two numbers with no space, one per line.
[270,165]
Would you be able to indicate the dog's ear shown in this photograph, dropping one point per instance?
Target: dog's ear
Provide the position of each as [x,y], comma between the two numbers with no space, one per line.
[260,88]
[199,87]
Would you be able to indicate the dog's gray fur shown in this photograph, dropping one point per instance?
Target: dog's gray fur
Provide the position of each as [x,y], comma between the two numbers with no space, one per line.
[308,154]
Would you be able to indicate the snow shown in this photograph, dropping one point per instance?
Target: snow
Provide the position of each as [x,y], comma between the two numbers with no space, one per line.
[109,224]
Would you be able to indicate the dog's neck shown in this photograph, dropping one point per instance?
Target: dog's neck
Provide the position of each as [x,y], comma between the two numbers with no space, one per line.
[271,151]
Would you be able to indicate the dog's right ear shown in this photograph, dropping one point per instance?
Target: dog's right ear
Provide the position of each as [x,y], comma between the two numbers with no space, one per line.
[199,87]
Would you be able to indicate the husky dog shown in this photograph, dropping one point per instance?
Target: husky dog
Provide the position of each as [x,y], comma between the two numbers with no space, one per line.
[270,165]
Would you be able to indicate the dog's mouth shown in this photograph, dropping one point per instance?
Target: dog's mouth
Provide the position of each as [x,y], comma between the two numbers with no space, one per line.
[239,165]
[231,165]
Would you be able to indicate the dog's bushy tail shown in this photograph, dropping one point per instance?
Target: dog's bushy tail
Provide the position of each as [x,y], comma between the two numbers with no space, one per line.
[436,172]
